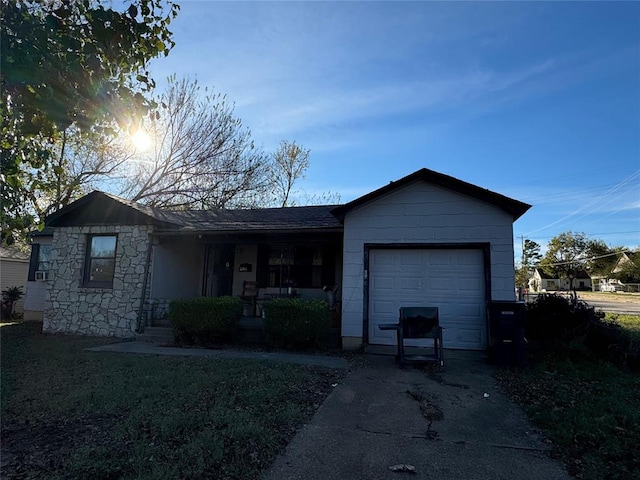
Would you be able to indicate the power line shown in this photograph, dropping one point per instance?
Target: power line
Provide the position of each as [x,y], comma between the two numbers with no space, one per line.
[590,204]
[587,234]
[577,260]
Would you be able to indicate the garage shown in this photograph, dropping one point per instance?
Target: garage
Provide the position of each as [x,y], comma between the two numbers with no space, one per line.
[452,279]
[427,239]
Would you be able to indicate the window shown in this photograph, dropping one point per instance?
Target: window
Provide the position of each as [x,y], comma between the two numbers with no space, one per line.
[100,261]
[298,267]
[44,258]
[40,260]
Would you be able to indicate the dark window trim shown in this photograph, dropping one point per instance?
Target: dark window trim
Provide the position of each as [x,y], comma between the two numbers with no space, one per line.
[33,262]
[86,283]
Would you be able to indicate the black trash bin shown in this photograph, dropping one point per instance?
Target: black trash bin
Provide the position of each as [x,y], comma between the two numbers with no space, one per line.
[506,331]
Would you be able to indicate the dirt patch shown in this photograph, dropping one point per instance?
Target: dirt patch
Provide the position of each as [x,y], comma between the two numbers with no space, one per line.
[610,297]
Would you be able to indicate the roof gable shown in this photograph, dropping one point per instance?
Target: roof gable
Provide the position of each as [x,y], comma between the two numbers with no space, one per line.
[99,208]
[625,258]
[510,205]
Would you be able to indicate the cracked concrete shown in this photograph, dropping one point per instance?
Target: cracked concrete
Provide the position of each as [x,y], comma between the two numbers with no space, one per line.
[374,420]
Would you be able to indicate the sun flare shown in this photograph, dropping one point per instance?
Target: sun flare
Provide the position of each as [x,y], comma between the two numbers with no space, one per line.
[141,140]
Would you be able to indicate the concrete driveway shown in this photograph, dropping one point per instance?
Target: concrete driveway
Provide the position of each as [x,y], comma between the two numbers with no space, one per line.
[442,424]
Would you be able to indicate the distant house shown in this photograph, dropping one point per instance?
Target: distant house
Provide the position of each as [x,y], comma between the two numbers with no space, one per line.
[625,259]
[543,282]
[615,284]
[14,266]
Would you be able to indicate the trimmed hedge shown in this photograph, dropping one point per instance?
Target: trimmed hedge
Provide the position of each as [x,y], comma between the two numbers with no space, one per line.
[205,320]
[296,324]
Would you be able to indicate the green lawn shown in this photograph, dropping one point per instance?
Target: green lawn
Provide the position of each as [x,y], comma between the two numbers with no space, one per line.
[589,410]
[631,323]
[69,413]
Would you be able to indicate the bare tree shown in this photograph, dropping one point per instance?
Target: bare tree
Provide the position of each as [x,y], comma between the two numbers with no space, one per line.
[202,156]
[324,198]
[289,164]
[80,162]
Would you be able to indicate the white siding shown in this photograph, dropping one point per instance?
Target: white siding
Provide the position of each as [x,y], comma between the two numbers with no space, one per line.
[422,213]
[36,291]
[451,279]
[13,273]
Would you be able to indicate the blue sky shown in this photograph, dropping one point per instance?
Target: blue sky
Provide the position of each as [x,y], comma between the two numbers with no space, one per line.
[537,101]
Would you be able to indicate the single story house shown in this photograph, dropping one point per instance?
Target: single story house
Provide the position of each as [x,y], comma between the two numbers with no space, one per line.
[426,239]
[543,282]
[14,265]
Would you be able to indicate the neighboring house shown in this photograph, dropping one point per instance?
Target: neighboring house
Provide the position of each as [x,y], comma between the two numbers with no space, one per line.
[542,282]
[39,266]
[610,284]
[14,265]
[426,239]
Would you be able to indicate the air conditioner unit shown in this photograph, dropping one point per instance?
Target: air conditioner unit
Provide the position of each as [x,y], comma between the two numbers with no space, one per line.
[41,275]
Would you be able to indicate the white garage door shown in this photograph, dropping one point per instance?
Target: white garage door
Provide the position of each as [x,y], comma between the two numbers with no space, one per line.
[451,279]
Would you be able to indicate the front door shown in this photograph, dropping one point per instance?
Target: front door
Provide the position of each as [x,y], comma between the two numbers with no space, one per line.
[219,270]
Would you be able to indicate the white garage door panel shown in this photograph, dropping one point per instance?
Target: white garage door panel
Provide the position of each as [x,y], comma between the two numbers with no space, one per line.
[452,280]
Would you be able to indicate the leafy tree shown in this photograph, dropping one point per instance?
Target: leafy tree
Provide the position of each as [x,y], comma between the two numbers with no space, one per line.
[202,156]
[69,64]
[531,257]
[601,258]
[565,253]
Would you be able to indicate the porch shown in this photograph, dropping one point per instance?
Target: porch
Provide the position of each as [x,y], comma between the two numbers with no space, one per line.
[253,267]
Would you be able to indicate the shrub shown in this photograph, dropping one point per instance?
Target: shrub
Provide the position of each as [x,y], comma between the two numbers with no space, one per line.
[553,320]
[205,320]
[10,297]
[555,323]
[296,324]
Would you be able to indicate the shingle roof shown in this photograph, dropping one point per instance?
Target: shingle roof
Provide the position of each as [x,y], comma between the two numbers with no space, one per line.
[289,218]
[543,274]
[113,208]
[13,254]
[222,220]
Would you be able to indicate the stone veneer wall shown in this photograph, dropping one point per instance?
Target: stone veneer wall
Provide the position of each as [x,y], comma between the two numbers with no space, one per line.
[72,308]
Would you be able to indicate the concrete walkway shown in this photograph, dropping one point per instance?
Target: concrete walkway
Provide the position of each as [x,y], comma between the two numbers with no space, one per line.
[449,425]
[145,348]
[442,424]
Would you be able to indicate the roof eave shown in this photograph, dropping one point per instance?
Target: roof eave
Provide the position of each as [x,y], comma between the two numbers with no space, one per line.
[209,232]
[515,207]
